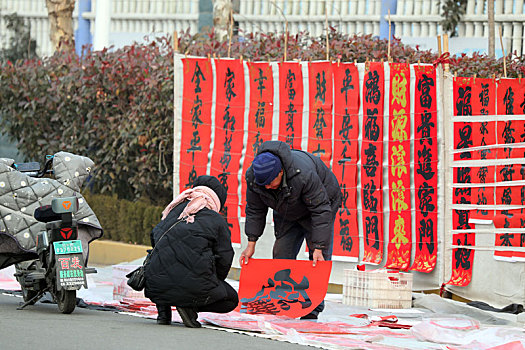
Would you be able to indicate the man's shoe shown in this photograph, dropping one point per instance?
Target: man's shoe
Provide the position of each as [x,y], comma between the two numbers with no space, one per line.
[189,317]
[164,314]
[310,316]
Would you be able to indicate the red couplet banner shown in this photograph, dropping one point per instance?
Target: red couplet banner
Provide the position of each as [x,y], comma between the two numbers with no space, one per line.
[229,134]
[196,124]
[400,228]
[320,121]
[346,155]
[291,96]
[260,116]
[462,258]
[372,162]
[510,100]
[425,168]
[282,287]
[509,239]
[483,135]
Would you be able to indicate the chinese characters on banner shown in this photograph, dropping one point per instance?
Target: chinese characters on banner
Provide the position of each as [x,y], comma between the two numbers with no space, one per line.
[510,101]
[228,138]
[291,95]
[259,117]
[196,127]
[399,232]
[462,258]
[509,239]
[372,162]
[320,122]
[346,134]
[282,287]
[484,138]
[425,169]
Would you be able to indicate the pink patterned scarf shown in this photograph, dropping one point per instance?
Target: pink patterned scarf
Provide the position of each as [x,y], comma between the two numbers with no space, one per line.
[199,197]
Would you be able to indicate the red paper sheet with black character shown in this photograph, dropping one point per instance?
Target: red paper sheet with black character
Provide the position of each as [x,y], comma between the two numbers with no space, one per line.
[346,155]
[320,117]
[228,138]
[282,287]
[291,96]
[196,124]
[425,169]
[372,162]
[260,116]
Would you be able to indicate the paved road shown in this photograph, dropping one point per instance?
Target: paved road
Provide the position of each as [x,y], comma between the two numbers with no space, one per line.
[42,327]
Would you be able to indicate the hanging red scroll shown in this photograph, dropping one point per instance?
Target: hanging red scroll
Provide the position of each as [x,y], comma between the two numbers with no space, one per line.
[346,134]
[196,123]
[510,101]
[260,116]
[291,95]
[462,257]
[399,232]
[228,138]
[483,136]
[372,162]
[282,287]
[425,169]
[509,239]
[320,118]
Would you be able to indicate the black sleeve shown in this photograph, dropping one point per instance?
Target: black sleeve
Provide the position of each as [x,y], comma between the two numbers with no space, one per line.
[223,251]
[256,212]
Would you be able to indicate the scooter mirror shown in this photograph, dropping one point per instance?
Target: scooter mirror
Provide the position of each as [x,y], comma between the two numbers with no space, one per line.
[64,205]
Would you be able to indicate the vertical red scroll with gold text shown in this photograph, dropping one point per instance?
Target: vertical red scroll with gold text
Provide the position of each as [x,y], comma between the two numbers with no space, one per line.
[229,133]
[400,233]
[291,96]
[425,169]
[372,162]
[346,155]
[320,123]
[259,117]
[196,121]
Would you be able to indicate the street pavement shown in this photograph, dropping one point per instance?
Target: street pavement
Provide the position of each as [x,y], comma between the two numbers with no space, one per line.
[42,326]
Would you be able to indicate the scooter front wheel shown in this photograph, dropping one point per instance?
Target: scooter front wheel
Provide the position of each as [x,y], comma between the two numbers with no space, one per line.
[66,300]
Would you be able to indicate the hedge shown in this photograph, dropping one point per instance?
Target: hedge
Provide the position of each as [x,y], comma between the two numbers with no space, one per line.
[123,220]
[116,106]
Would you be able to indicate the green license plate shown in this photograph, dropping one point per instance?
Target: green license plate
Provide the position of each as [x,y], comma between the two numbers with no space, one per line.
[68,247]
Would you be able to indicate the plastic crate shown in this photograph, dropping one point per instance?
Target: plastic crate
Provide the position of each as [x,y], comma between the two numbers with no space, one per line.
[378,289]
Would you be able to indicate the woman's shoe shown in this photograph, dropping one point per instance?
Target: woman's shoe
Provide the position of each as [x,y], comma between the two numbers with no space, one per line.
[189,317]
[164,314]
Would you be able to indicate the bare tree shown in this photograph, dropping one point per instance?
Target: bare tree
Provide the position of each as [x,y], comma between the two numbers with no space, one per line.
[60,13]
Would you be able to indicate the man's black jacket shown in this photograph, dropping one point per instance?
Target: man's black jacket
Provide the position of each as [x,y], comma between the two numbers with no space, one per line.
[309,194]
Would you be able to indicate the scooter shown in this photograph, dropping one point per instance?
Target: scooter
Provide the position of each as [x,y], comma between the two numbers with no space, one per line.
[60,268]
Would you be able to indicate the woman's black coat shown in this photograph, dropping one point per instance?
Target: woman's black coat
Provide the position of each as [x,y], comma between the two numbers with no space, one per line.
[189,260]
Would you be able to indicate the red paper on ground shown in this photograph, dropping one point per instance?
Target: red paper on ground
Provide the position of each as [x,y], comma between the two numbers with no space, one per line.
[400,227]
[320,117]
[259,118]
[346,155]
[282,287]
[229,134]
[291,96]
[372,162]
[425,169]
[196,120]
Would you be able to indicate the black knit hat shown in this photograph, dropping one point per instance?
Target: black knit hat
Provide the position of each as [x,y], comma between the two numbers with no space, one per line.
[213,183]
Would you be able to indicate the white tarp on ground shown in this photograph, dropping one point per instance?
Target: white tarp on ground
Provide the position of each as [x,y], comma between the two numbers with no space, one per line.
[435,322]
